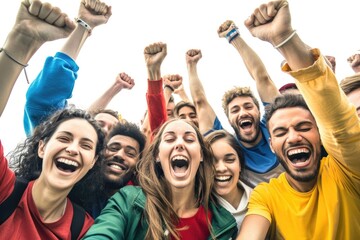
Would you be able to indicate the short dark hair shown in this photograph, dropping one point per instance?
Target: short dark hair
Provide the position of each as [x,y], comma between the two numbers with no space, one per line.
[284,101]
[131,130]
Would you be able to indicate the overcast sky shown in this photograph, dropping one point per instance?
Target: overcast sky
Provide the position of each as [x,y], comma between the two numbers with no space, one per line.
[118,47]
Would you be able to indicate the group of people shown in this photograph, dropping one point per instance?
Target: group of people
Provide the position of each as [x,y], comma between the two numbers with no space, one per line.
[292,173]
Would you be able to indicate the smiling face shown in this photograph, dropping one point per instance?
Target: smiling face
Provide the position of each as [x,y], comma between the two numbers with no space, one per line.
[179,154]
[69,154]
[244,117]
[296,142]
[227,167]
[121,155]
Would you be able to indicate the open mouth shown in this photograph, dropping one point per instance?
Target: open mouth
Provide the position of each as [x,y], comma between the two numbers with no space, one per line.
[179,164]
[298,156]
[245,124]
[223,178]
[66,165]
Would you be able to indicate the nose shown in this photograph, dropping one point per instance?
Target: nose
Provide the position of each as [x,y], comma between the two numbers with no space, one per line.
[220,166]
[120,153]
[72,149]
[294,136]
[179,145]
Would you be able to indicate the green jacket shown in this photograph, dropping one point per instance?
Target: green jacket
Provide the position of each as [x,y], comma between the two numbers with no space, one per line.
[123,218]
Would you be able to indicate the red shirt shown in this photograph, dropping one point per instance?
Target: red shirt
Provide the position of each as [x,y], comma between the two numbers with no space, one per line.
[195,227]
[26,222]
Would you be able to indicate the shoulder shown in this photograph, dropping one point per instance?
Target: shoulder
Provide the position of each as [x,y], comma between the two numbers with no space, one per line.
[133,195]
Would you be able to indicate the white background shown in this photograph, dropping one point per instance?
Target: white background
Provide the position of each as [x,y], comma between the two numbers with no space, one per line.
[332,26]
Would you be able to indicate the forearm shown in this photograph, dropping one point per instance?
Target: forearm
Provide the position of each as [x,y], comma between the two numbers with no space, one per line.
[183,96]
[196,88]
[21,48]
[154,73]
[103,101]
[75,42]
[297,54]
[257,70]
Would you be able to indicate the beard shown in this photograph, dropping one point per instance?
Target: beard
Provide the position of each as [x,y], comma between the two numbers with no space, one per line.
[244,138]
[119,182]
[301,178]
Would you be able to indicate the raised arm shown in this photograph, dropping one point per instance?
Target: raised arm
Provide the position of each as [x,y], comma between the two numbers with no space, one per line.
[90,15]
[122,81]
[154,55]
[265,86]
[204,111]
[179,88]
[55,83]
[30,31]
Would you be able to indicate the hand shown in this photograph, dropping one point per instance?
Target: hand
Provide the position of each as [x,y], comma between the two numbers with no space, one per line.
[193,56]
[332,62]
[174,81]
[125,81]
[155,53]
[94,12]
[271,22]
[354,62]
[225,28]
[42,22]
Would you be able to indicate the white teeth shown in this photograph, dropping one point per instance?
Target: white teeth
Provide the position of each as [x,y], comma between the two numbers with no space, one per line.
[68,162]
[245,121]
[115,166]
[178,157]
[223,178]
[297,151]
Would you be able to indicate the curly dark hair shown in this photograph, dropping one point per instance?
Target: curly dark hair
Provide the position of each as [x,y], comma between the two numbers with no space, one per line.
[26,163]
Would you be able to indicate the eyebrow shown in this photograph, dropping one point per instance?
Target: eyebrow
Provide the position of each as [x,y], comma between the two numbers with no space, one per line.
[300,124]
[119,144]
[72,135]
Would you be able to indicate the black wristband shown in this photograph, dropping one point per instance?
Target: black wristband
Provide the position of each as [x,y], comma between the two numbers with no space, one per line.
[170,87]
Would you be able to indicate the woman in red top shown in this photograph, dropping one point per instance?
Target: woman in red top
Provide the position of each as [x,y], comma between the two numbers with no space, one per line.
[58,156]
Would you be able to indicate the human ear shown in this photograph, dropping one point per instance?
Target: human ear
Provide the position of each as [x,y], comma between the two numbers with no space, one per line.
[41,149]
[271,145]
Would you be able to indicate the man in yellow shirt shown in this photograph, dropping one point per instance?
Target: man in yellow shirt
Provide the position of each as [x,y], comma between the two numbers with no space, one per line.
[317,197]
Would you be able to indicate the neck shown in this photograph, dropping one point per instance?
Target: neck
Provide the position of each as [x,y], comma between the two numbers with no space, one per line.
[301,186]
[184,202]
[50,203]
[253,143]
[235,198]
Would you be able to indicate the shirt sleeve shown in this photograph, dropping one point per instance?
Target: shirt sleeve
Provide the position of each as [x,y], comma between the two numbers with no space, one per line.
[50,90]
[336,118]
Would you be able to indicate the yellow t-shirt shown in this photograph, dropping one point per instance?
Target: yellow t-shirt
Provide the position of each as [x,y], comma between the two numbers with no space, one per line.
[331,210]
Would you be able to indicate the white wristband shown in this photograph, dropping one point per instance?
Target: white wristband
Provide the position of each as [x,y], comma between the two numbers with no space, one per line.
[84,24]
[286,40]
